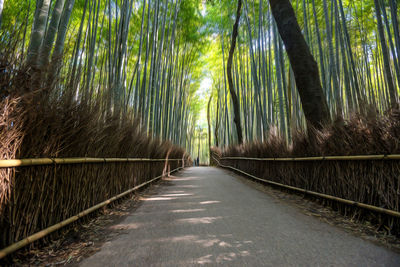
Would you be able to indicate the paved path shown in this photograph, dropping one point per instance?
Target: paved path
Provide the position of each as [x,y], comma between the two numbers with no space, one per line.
[206,216]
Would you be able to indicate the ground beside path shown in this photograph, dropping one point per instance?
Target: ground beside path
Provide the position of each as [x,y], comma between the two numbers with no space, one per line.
[205,215]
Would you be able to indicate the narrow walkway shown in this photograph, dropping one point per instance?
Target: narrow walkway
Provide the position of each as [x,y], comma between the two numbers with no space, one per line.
[205,216]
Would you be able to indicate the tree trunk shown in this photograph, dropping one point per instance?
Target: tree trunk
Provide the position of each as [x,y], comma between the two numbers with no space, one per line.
[61,33]
[235,100]
[1,10]
[38,31]
[385,55]
[209,125]
[56,57]
[303,64]
[51,33]
[217,122]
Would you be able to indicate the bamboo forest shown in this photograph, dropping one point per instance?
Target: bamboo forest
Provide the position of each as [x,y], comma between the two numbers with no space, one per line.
[108,105]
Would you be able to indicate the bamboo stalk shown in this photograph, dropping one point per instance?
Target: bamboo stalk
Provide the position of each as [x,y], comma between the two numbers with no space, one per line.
[9,163]
[341,200]
[30,239]
[322,158]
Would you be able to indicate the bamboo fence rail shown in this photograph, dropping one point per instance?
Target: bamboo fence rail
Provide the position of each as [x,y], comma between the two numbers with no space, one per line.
[9,163]
[322,158]
[30,162]
[308,192]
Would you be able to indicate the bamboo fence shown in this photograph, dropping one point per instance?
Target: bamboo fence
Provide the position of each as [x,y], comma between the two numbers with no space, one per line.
[321,158]
[369,182]
[41,234]
[50,193]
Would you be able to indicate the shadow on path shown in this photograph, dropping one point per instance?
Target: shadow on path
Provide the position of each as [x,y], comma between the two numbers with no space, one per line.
[205,216]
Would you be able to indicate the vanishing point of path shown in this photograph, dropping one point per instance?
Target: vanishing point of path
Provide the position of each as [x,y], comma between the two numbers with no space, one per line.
[206,216]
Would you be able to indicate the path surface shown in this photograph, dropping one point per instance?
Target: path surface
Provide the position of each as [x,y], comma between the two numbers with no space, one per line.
[206,216]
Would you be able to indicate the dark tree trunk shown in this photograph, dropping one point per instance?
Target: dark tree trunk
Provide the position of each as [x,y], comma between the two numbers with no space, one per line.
[235,100]
[217,124]
[209,126]
[304,66]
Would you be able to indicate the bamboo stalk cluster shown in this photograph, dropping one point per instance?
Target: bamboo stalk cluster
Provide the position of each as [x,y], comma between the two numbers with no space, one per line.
[355,43]
[78,80]
[125,56]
